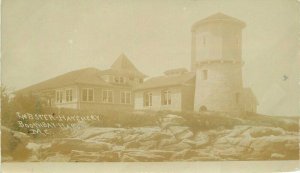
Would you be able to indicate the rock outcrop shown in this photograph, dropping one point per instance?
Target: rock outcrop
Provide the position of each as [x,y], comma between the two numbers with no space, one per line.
[172,140]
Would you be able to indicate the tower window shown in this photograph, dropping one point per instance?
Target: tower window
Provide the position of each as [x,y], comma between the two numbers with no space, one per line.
[204,75]
[237,98]
[238,42]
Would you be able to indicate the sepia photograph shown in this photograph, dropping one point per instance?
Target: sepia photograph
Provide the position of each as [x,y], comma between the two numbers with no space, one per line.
[187,82]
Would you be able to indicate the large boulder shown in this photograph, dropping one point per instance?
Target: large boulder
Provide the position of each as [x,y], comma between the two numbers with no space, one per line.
[178,146]
[83,156]
[13,147]
[111,135]
[66,145]
[201,139]
[142,156]
[181,132]
[256,143]
[57,157]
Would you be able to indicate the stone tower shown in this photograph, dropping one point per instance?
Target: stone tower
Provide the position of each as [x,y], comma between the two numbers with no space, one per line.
[216,60]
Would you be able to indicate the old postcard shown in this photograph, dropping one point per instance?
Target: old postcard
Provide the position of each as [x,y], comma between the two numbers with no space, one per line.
[191,82]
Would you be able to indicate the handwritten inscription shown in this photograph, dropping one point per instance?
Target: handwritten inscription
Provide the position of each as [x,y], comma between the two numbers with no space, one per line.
[41,123]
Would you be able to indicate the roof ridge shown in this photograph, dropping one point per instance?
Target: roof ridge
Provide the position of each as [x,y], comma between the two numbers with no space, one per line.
[63,79]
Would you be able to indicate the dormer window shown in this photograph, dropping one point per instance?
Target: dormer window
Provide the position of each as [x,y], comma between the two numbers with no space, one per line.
[119,79]
[122,80]
[116,79]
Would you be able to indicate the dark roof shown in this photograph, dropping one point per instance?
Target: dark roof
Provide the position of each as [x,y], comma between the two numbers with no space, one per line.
[123,66]
[217,18]
[83,76]
[90,76]
[164,81]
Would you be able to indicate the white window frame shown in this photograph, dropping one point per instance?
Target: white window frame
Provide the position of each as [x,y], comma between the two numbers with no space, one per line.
[116,79]
[149,98]
[107,96]
[119,79]
[126,97]
[122,79]
[166,95]
[69,95]
[87,94]
[59,96]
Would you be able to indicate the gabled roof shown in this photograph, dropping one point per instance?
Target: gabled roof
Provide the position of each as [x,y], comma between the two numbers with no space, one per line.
[123,66]
[219,17]
[166,81]
[83,76]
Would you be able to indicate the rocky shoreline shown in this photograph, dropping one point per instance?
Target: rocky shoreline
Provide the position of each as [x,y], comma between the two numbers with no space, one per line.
[172,140]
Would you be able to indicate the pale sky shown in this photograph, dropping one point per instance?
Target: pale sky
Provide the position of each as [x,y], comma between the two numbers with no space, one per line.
[43,39]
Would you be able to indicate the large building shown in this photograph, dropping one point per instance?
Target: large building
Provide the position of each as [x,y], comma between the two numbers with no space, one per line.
[90,88]
[214,82]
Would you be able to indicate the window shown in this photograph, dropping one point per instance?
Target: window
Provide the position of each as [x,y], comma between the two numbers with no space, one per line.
[69,95]
[87,94]
[165,97]
[116,79]
[59,96]
[204,75]
[122,80]
[147,99]
[119,79]
[107,96]
[125,97]
[204,41]
[141,81]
